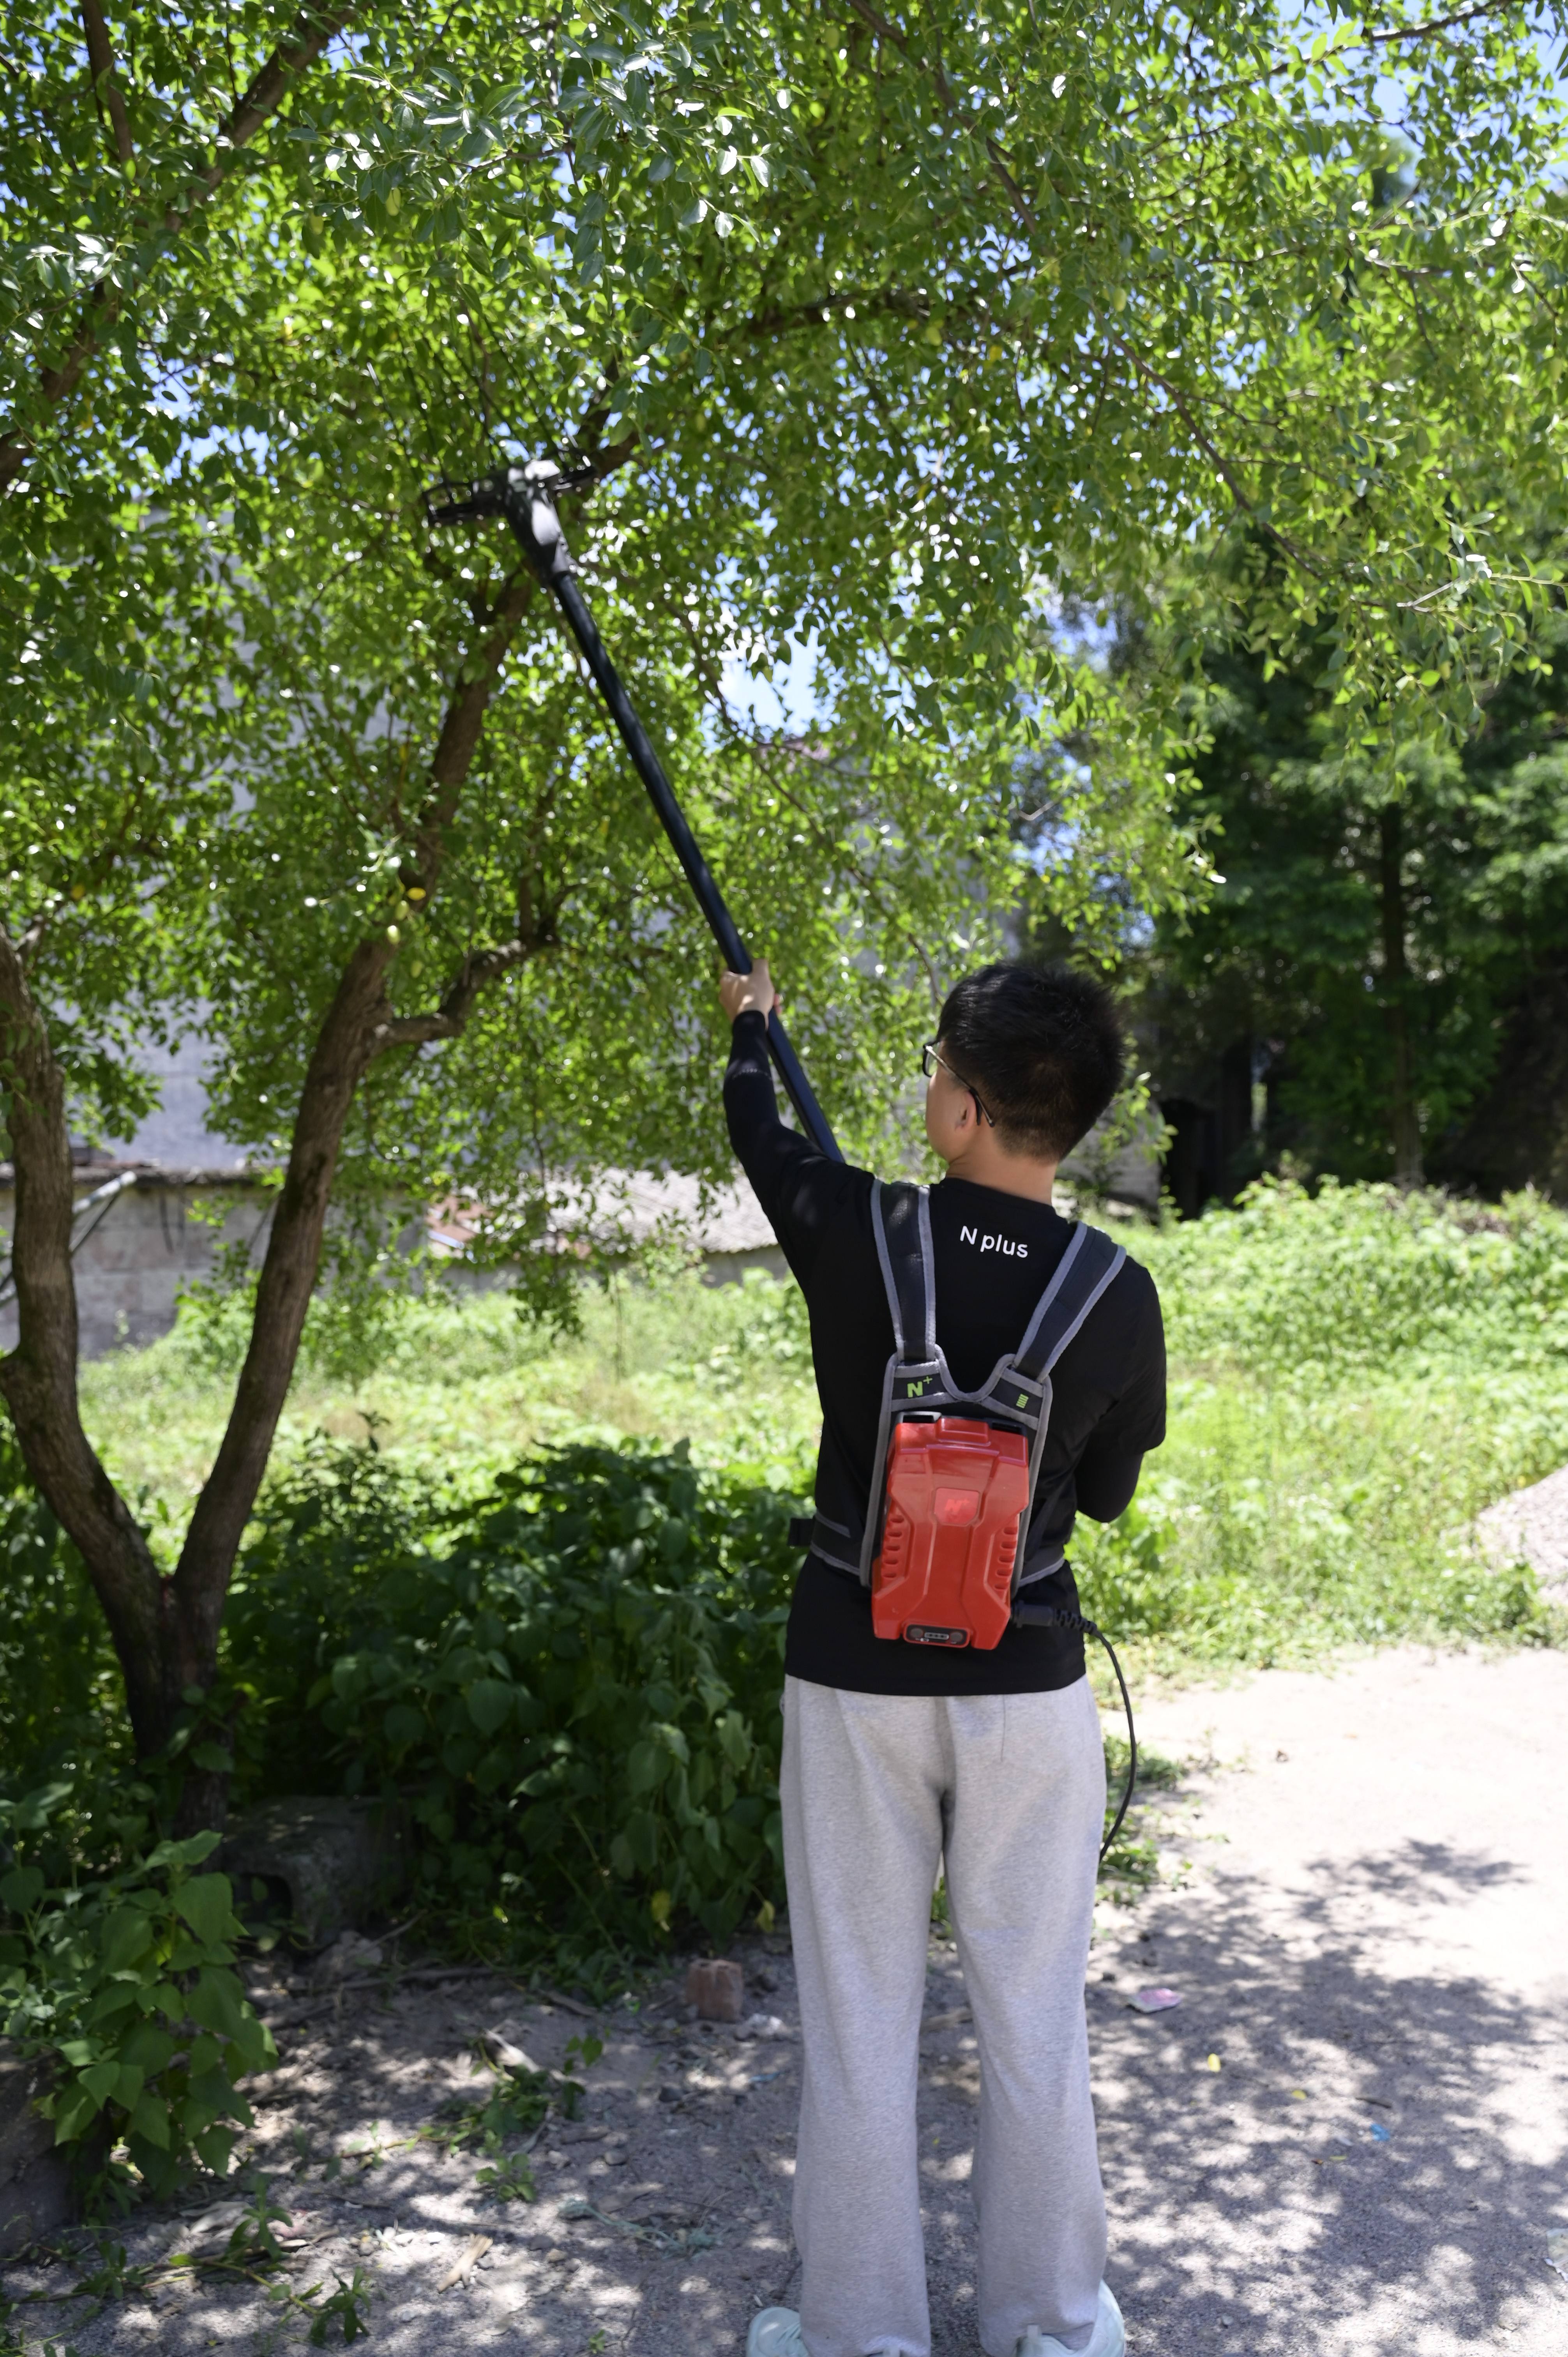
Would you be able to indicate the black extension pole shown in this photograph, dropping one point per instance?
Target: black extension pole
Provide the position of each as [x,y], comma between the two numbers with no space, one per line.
[526,497]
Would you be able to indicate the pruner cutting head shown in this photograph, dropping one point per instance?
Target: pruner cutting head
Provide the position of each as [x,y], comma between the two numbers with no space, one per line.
[526,496]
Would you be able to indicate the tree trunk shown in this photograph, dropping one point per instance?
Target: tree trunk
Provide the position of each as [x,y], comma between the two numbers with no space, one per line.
[1405,1123]
[37,1379]
[166,1631]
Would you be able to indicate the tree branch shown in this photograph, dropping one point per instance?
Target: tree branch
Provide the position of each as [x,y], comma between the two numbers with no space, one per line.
[459,737]
[313,28]
[450,1019]
[1436,25]
[101,60]
[886,31]
[312,31]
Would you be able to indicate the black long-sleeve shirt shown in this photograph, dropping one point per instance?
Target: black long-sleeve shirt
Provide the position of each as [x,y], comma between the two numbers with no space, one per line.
[994,1255]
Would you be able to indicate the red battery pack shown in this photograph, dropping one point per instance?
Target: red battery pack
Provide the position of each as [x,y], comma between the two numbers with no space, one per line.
[956,1489]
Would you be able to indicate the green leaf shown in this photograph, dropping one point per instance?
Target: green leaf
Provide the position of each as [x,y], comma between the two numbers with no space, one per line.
[206,1904]
[21,1889]
[113,1997]
[214,2148]
[205,2054]
[99,2080]
[217,2003]
[151,2119]
[735,1738]
[74,2115]
[188,1852]
[126,1938]
[402,1725]
[152,2048]
[489,1702]
[127,2087]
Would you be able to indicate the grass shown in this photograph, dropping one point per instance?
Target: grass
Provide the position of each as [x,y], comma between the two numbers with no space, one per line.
[1354,1377]
[463,1387]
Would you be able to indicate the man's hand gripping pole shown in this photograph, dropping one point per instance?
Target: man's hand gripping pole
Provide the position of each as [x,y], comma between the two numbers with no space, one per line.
[526,497]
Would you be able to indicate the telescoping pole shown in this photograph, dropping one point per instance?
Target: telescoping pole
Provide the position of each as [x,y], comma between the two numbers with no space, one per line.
[526,497]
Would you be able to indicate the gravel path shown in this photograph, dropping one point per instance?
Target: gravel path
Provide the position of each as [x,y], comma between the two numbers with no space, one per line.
[1362,1901]
[1369,1924]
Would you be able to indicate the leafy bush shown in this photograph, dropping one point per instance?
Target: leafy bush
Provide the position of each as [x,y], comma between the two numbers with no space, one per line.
[127,1983]
[1284,1520]
[59,1688]
[574,1681]
[1360,1276]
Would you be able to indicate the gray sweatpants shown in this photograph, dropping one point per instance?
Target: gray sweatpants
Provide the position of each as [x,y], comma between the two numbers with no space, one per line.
[1009,1791]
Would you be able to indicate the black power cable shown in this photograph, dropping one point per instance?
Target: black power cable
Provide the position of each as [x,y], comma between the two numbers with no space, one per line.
[1052,1616]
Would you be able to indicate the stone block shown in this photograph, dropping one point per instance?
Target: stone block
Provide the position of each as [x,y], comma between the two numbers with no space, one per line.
[37,2192]
[340,1863]
[718,1988]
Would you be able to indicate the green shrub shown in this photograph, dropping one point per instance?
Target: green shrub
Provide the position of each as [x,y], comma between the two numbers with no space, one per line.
[1282,1520]
[1356,1277]
[574,1681]
[60,1687]
[126,1982]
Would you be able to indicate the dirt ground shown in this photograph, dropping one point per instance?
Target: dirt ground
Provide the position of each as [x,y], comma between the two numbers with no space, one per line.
[1352,2135]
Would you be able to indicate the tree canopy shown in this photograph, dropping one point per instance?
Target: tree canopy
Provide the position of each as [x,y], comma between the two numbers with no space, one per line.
[885,334]
[1382,933]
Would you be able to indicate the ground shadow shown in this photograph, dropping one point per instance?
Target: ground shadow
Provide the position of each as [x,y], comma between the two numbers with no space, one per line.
[1377,2158]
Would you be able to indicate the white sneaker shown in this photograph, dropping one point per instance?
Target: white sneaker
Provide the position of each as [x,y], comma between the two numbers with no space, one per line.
[775,2333]
[1107,2339]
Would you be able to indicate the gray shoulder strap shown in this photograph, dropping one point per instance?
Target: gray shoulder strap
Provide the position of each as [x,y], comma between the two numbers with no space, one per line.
[901,1222]
[1087,1267]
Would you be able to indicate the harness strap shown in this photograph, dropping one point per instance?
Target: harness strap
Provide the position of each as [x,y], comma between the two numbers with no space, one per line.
[1085,1269]
[901,1222]
[1017,1390]
[832,1543]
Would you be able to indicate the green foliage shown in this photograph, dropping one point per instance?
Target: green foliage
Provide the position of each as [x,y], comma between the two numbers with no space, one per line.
[525,1645]
[516,2105]
[1359,1371]
[58,1683]
[215,568]
[127,1983]
[575,1676]
[1104,283]
[1352,1278]
[343,2307]
[1457,848]
[509,2178]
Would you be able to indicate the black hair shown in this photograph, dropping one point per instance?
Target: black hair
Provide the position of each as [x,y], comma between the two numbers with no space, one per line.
[1041,1046]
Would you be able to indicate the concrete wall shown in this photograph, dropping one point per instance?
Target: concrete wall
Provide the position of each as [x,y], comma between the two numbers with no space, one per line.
[129,1271]
[151,1240]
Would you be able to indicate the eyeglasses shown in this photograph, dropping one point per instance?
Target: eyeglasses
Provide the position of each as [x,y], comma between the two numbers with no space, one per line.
[929,1056]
